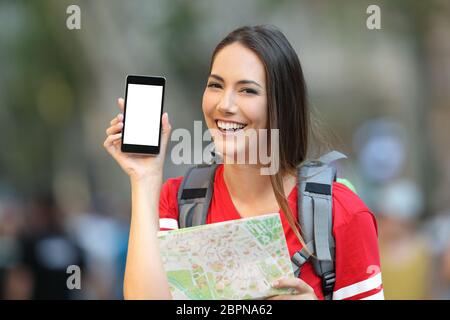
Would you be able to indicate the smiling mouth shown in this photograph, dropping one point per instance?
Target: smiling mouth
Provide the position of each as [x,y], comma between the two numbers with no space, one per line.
[229,127]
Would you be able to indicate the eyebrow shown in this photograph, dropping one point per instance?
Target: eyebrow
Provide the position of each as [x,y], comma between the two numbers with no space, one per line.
[217,77]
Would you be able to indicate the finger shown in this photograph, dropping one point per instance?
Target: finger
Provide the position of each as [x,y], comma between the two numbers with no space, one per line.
[121,104]
[282,297]
[114,129]
[111,139]
[166,129]
[117,119]
[297,283]
[293,297]
[116,142]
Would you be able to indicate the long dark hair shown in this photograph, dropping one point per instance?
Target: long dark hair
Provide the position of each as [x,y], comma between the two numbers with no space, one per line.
[286,100]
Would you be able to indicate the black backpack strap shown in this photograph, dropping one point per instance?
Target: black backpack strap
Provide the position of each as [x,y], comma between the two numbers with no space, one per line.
[194,195]
[315,211]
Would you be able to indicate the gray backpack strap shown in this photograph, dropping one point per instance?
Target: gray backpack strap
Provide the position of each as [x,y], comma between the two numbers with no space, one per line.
[194,195]
[332,156]
[316,218]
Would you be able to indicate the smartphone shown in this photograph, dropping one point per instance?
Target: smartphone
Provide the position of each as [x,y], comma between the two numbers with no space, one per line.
[144,100]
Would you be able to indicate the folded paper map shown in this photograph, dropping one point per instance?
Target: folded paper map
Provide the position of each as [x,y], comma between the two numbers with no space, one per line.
[237,259]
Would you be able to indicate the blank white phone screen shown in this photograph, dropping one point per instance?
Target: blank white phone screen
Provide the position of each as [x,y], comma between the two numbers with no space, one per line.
[142,118]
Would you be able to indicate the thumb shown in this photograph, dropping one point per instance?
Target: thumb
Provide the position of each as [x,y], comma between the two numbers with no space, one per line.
[166,129]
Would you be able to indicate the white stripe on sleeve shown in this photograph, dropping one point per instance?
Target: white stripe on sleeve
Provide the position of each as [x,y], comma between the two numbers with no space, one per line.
[376,296]
[166,223]
[359,287]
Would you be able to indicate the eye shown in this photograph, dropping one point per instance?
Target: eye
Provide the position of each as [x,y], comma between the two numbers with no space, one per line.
[249,91]
[214,85]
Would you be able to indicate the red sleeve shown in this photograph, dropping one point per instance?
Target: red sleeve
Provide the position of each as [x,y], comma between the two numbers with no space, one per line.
[358,271]
[168,204]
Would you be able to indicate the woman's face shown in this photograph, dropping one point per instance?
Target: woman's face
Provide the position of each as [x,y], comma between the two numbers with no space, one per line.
[235,100]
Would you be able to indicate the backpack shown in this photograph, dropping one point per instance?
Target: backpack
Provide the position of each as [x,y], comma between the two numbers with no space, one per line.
[315,182]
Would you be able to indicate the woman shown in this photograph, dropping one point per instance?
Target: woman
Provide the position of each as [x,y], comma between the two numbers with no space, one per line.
[255,82]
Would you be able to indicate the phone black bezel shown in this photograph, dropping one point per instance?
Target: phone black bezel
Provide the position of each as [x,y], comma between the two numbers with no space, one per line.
[146,80]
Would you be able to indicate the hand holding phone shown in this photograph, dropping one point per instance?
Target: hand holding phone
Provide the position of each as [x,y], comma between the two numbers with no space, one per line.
[134,164]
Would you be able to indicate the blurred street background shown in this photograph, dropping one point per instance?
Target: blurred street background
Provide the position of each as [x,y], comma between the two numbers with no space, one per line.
[383,95]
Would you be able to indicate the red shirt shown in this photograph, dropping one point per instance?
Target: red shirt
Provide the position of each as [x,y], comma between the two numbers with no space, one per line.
[358,273]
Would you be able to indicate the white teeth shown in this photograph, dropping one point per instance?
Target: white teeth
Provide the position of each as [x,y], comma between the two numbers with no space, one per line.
[229,125]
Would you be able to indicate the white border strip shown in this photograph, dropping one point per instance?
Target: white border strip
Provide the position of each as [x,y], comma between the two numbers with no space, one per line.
[376,296]
[166,223]
[359,287]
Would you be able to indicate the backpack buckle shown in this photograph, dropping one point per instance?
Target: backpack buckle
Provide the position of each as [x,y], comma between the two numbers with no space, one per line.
[328,280]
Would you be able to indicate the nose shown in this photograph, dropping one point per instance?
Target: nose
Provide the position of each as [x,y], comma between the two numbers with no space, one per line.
[227,104]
